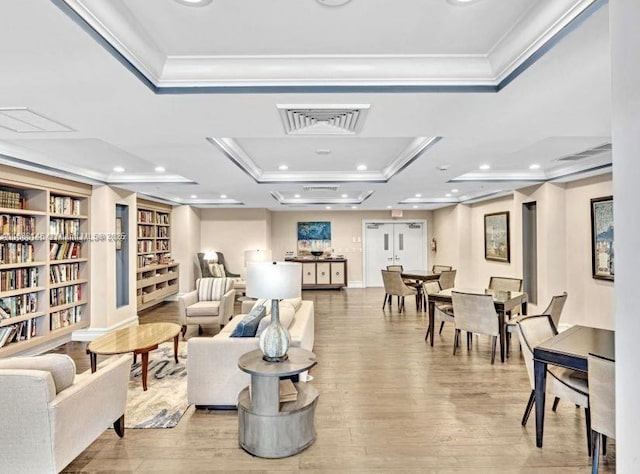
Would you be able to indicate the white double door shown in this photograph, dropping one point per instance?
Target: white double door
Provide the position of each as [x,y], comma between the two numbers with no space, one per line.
[393,243]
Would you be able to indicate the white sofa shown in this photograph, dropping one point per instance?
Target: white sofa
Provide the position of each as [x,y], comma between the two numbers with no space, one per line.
[213,377]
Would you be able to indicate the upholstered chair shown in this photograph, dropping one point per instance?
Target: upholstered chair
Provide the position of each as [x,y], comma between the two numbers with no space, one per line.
[440,268]
[602,403]
[393,285]
[217,268]
[49,415]
[447,279]
[407,281]
[475,314]
[565,384]
[505,283]
[211,303]
[441,312]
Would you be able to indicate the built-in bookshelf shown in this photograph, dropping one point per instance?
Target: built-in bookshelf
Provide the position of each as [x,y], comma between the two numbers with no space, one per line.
[44,255]
[156,274]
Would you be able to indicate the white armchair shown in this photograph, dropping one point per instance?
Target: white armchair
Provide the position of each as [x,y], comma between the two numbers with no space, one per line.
[211,303]
[48,415]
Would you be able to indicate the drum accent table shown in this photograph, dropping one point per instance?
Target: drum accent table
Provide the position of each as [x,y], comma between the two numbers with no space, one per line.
[266,427]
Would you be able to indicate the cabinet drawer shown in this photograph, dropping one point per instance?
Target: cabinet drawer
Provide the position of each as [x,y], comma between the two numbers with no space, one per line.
[338,276]
[308,273]
[323,273]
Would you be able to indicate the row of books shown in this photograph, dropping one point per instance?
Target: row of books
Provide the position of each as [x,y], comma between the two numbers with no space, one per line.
[64,250]
[64,272]
[11,199]
[64,205]
[68,227]
[66,317]
[146,231]
[18,278]
[162,219]
[12,306]
[13,225]
[163,232]
[145,246]
[21,331]
[65,295]
[145,217]
[162,245]
[146,260]
[16,252]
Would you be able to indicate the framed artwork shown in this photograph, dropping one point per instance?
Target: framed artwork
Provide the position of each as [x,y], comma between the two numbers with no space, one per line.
[496,236]
[602,238]
[118,233]
[314,236]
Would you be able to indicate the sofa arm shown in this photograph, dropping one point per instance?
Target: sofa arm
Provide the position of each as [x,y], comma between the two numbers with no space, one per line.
[226,307]
[247,306]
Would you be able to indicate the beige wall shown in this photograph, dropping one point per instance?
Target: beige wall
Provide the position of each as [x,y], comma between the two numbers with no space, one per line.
[564,246]
[185,243]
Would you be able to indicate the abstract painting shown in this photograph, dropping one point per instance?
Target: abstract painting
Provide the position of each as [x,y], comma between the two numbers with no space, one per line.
[602,262]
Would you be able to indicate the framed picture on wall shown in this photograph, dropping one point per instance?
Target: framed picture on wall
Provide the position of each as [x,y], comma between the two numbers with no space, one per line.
[496,236]
[602,262]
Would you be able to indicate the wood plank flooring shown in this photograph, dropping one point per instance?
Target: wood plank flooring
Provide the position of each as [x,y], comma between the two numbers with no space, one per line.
[388,402]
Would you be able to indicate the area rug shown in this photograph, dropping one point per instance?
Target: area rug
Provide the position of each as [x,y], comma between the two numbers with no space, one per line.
[165,400]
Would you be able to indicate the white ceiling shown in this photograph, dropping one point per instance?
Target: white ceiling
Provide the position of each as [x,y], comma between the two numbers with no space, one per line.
[188,84]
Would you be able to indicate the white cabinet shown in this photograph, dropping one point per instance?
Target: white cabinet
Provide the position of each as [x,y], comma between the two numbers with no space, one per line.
[323,274]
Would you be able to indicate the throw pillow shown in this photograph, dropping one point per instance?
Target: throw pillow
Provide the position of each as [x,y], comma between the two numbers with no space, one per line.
[60,366]
[295,302]
[249,324]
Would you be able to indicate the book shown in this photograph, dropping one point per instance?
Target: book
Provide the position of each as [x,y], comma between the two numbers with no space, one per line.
[288,391]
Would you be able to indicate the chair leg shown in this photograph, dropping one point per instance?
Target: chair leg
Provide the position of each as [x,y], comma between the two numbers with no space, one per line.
[456,339]
[527,410]
[604,445]
[426,336]
[386,297]
[595,461]
[441,327]
[469,340]
[401,306]
[118,426]
[555,403]
[587,416]
[199,330]
[494,339]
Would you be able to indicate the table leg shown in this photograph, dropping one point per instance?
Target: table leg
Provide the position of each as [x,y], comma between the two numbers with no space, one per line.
[501,328]
[540,371]
[145,367]
[93,358]
[175,348]
[432,307]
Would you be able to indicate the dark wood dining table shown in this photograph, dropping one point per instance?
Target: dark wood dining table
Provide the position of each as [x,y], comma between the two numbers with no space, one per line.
[419,276]
[504,302]
[568,349]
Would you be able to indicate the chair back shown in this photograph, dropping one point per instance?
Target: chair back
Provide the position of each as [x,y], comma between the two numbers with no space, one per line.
[395,268]
[447,279]
[431,287]
[440,268]
[505,284]
[203,265]
[393,284]
[533,330]
[602,394]
[213,289]
[475,313]
[555,308]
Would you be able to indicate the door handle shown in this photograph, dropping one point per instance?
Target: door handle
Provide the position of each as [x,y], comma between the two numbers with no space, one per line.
[389,258]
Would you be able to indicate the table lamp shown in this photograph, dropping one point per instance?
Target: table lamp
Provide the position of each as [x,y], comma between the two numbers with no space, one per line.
[274,281]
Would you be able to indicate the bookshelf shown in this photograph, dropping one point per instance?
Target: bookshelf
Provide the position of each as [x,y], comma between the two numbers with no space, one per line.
[156,273]
[44,257]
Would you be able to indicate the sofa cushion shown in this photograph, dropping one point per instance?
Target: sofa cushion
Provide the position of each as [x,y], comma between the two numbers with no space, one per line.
[204,308]
[60,366]
[295,302]
[286,314]
[249,324]
[212,289]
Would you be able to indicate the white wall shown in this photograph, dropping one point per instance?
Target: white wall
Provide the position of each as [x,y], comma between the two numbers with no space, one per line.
[185,243]
[625,43]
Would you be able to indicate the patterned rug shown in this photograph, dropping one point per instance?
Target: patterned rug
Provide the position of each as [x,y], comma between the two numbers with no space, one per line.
[165,400]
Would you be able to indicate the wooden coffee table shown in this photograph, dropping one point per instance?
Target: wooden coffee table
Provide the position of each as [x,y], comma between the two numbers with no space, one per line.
[137,339]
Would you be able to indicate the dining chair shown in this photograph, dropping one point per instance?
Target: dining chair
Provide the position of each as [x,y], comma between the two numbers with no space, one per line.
[565,384]
[602,401]
[447,279]
[505,283]
[475,314]
[440,268]
[407,281]
[442,312]
[393,285]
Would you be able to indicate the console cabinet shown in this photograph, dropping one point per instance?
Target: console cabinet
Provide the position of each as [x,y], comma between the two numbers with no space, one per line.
[323,273]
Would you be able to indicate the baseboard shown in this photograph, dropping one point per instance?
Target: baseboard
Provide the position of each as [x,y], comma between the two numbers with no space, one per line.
[355,284]
[90,334]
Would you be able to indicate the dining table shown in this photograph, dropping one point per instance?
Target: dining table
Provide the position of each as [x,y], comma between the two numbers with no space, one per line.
[504,302]
[419,276]
[567,349]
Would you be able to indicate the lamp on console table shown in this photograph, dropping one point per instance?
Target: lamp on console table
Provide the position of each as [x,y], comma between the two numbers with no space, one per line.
[274,281]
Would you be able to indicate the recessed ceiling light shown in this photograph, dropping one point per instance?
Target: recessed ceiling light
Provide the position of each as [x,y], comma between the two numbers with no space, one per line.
[448,195]
[454,190]
[344,196]
[296,196]
[461,2]
[283,167]
[223,196]
[354,207]
[118,169]
[418,195]
[160,169]
[333,3]
[443,167]
[194,196]
[362,167]
[485,167]
[194,3]
[534,166]
[388,207]
[328,207]
[323,151]
[415,207]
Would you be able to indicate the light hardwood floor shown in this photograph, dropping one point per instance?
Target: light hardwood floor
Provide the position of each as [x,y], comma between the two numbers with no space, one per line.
[388,402]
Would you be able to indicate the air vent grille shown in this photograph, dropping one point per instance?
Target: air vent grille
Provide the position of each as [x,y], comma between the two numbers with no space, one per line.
[587,153]
[323,119]
[321,187]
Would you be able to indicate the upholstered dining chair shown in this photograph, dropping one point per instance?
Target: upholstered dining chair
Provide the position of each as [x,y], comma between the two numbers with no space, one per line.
[475,314]
[447,279]
[440,268]
[407,281]
[505,283]
[565,384]
[602,403]
[393,285]
[442,312]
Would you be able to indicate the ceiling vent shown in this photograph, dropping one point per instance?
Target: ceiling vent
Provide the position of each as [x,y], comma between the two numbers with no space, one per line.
[587,153]
[321,187]
[323,119]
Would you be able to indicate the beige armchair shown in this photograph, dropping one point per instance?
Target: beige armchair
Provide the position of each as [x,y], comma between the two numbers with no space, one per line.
[211,303]
[48,415]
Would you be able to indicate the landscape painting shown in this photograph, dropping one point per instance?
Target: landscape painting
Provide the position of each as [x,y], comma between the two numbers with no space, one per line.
[602,261]
[496,236]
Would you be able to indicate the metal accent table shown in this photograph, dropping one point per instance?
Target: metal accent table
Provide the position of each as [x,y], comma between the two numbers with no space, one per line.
[266,427]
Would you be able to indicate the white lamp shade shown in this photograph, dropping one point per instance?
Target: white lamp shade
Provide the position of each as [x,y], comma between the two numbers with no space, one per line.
[211,256]
[273,280]
[258,255]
